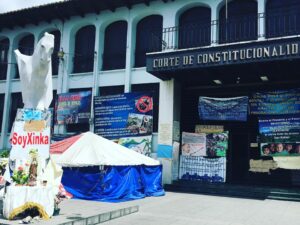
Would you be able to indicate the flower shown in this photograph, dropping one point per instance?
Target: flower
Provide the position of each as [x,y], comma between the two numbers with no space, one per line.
[20,168]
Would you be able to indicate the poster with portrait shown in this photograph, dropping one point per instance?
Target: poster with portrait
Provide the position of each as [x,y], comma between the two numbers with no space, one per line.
[123,115]
[193,144]
[279,135]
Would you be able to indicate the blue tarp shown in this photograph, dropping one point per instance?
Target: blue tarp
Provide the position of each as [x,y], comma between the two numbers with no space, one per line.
[113,183]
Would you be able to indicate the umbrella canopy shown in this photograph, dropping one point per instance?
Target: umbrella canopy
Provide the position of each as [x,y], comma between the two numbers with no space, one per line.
[92,150]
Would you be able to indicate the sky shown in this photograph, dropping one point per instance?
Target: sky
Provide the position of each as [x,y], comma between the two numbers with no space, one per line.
[12,5]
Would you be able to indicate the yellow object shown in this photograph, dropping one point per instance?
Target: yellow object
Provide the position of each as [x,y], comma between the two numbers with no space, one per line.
[288,162]
[29,205]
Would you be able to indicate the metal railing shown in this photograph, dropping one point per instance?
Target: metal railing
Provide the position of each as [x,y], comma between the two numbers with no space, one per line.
[243,28]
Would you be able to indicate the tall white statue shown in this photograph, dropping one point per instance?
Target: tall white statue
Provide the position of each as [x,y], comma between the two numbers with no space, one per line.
[36,74]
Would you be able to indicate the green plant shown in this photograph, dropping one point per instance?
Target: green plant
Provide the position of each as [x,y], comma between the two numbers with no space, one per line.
[4,153]
[20,176]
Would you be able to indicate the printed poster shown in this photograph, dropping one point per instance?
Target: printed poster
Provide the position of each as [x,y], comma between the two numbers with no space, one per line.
[221,109]
[211,170]
[193,144]
[217,144]
[275,102]
[123,115]
[279,135]
[72,108]
[141,144]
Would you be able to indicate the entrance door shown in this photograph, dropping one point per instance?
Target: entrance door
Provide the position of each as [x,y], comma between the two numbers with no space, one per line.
[238,161]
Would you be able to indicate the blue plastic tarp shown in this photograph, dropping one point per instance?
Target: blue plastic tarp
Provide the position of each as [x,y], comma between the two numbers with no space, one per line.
[113,183]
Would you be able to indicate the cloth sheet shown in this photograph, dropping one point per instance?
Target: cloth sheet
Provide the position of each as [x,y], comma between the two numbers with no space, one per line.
[18,196]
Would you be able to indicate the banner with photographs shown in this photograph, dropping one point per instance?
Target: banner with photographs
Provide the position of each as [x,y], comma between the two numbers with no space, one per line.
[73,108]
[211,170]
[217,144]
[30,131]
[123,115]
[139,144]
[193,144]
[279,136]
[232,109]
[275,102]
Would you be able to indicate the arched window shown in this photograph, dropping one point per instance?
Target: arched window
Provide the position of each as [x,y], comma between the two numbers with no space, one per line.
[241,21]
[16,103]
[114,55]
[84,50]
[4,46]
[148,38]
[282,18]
[194,28]
[55,59]
[26,47]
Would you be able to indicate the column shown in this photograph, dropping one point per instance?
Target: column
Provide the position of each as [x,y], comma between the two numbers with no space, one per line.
[95,84]
[7,97]
[261,5]
[214,25]
[130,51]
[169,111]
[170,31]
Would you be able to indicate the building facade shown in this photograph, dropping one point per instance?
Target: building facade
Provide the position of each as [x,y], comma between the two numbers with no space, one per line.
[180,49]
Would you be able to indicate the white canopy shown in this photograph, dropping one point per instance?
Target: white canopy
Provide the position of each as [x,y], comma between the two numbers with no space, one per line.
[93,150]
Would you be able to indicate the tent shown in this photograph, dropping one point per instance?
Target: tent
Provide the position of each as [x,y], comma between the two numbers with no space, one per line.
[98,169]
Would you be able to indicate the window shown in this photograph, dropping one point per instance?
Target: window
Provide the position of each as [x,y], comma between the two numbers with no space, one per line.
[84,50]
[148,38]
[115,41]
[282,18]
[111,90]
[4,46]
[55,59]
[195,28]
[26,47]
[241,22]
[16,103]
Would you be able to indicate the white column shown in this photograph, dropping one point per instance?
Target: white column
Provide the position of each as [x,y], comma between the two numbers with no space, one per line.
[170,31]
[95,84]
[261,26]
[214,24]
[65,66]
[7,98]
[165,128]
[130,51]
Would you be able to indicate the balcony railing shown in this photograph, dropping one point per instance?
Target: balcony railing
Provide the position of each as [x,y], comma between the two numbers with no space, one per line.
[231,30]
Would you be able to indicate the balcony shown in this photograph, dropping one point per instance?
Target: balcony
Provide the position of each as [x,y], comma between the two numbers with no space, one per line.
[223,31]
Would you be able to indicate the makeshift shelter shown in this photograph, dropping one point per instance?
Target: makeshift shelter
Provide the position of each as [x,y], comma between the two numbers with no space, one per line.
[98,169]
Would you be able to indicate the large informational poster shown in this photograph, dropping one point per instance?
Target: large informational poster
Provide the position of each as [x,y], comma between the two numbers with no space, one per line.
[193,144]
[275,102]
[280,135]
[72,108]
[232,109]
[203,169]
[123,115]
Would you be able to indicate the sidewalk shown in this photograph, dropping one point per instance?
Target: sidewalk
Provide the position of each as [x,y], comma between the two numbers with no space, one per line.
[183,209]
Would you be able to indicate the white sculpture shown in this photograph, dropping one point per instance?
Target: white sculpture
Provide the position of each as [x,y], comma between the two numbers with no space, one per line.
[36,74]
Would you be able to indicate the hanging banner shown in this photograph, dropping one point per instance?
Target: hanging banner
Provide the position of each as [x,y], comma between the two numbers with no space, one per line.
[233,109]
[279,135]
[72,108]
[193,144]
[139,144]
[211,170]
[123,115]
[209,129]
[217,144]
[275,102]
